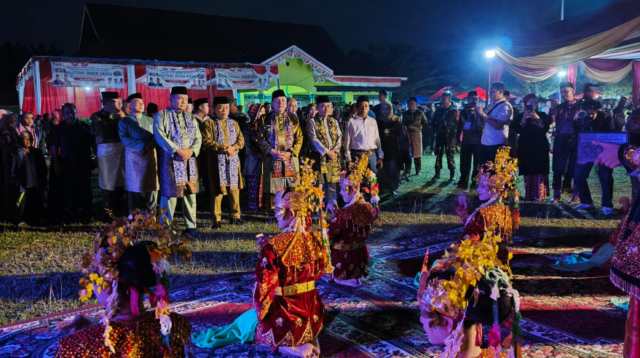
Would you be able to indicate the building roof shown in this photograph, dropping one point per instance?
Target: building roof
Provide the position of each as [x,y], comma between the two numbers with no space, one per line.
[198,37]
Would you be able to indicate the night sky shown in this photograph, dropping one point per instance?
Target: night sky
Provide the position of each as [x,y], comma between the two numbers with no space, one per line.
[455,24]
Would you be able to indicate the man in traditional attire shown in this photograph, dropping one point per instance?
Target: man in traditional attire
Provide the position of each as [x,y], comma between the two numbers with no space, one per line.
[326,140]
[136,133]
[352,225]
[414,119]
[222,140]
[201,112]
[446,121]
[361,136]
[625,264]
[280,140]
[111,171]
[288,312]
[179,140]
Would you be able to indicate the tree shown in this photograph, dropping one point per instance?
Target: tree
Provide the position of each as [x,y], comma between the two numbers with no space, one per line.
[400,60]
[622,88]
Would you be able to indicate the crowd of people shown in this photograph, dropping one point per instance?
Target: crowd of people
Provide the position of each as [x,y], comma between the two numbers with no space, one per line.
[147,157]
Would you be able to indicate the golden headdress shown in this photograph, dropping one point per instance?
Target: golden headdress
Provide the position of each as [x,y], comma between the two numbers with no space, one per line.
[304,196]
[359,172]
[500,175]
[100,269]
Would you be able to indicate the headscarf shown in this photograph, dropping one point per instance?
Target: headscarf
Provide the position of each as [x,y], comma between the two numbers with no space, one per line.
[389,117]
[22,126]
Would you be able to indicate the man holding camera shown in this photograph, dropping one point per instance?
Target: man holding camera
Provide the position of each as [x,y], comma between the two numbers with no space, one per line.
[470,129]
[592,119]
[497,118]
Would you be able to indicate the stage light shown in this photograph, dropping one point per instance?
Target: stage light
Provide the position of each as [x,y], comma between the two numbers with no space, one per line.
[490,54]
[562,73]
[87,88]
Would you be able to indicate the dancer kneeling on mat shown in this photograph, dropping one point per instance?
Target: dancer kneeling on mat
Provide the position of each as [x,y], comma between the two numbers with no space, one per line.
[288,312]
[352,225]
[468,288]
[120,273]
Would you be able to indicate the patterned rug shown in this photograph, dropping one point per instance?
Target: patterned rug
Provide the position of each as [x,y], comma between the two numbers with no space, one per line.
[566,314]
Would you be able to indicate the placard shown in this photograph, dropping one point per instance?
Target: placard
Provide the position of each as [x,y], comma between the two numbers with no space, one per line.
[242,78]
[84,74]
[588,152]
[167,77]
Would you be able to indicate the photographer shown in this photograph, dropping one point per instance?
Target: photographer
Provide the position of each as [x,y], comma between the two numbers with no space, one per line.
[470,126]
[533,157]
[499,115]
[592,119]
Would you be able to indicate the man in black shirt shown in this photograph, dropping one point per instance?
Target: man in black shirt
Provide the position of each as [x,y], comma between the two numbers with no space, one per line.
[71,144]
[243,122]
[471,127]
[428,132]
[445,122]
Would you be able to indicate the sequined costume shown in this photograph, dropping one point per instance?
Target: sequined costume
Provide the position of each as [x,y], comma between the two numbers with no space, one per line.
[131,339]
[348,230]
[625,264]
[506,219]
[289,308]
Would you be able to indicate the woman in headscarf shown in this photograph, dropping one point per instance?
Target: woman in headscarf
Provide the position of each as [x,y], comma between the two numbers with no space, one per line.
[27,123]
[391,135]
[29,175]
[252,169]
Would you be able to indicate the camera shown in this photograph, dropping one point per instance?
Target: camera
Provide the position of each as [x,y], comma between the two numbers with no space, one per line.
[469,105]
[582,114]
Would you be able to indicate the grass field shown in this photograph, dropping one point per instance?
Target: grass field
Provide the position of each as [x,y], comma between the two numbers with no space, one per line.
[38,265]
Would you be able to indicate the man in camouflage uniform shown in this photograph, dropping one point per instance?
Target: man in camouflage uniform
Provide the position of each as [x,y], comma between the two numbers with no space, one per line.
[445,124]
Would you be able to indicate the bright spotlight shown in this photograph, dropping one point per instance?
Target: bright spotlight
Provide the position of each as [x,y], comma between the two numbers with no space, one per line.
[562,73]
[87,88]
[490,54]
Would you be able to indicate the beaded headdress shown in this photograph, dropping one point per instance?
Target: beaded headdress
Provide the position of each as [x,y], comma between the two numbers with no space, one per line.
[100,269]
[304,196]
[469,261]
[500,175]
[359,172]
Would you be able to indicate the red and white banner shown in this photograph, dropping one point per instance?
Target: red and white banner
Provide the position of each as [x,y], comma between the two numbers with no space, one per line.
[84,74]
[167,77]
[255,77]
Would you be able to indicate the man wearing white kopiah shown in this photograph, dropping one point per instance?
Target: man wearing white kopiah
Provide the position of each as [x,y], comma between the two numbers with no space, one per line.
[136,133]
[179,141]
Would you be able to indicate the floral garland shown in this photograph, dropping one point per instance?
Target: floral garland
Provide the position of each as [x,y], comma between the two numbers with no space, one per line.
[101,268]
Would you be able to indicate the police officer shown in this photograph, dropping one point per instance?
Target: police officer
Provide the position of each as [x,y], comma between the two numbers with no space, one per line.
[445,123]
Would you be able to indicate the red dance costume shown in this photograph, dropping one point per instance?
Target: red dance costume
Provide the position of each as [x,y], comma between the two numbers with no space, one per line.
[507,222]
[290,311]
[131,339]
[348,230]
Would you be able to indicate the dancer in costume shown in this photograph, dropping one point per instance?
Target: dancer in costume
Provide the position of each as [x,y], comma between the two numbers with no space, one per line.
[288,312]
[120,273]
[496,180]
[352,225]
[625,264]
[466,289]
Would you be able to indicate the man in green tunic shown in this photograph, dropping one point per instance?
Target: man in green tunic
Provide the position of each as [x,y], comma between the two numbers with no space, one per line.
[179,140]
[280,139]
[136,133]
[326,140]
[222,140]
